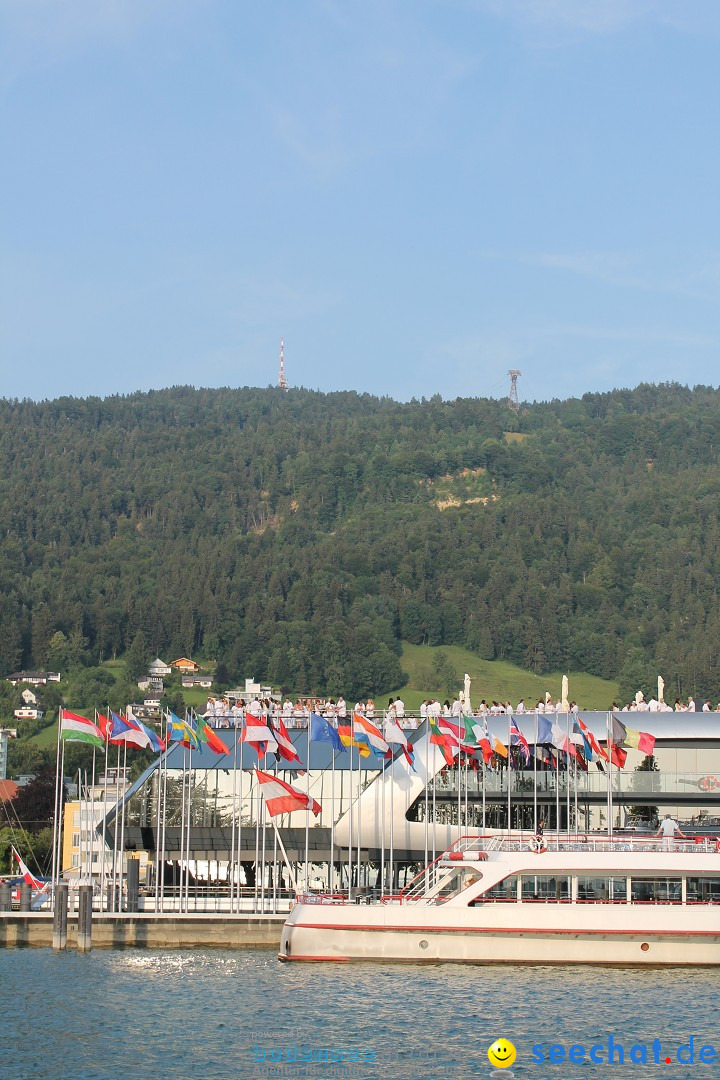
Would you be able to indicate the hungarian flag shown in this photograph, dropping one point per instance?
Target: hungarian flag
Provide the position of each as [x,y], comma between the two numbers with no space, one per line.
[258,734]
[206,734]
[282,798]
[76,728]
[286,748]
[448,746]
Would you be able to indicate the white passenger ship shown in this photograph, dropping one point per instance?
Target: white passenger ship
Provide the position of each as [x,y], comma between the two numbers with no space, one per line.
[576,900]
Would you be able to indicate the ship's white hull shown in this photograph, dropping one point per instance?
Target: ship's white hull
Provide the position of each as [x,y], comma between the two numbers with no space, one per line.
[420,935]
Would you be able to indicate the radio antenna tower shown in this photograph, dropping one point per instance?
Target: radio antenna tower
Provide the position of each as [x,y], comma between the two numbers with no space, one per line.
[512,396]
[282,378]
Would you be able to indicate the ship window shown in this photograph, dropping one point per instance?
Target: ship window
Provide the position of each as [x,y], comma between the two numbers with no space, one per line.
[545,887]
[504,890]
[703,890]
[601,889]
[660,890]
[457,881]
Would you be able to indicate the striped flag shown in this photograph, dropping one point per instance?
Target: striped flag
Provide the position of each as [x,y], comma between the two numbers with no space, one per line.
[345,734]
[286,748]
[258,734]
[366,734]
[206,734]
[395,735]
[518,739]
[76,728]
[283,798]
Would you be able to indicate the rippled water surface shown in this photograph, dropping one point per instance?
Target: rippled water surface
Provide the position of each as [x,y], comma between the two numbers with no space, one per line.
[209,1014]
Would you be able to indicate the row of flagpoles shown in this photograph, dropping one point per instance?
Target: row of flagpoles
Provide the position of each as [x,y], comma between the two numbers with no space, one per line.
[455,736]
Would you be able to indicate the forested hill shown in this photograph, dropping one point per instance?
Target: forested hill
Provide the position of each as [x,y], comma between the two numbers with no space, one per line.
[298,537]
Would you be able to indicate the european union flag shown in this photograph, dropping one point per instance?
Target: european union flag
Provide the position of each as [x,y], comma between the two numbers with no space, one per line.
[322,731]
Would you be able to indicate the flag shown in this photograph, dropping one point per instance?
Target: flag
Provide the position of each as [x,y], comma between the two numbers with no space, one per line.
[180,732]
[206,734]
[322,731]
[365,733]
[282,798]
[545,756]
[123,731]
[544,731]
[154,740]
[345,734]
[285,749]
[28,876]
[640,740]
[518,739]
[592,746]
[483,741]
[498,746]
[442,739]
[76,728]
[558,737]
[458,733]
[259,735]
[395,735]
[618,731]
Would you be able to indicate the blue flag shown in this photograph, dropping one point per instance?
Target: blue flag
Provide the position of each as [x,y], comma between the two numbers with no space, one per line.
[322,731]
[544,731]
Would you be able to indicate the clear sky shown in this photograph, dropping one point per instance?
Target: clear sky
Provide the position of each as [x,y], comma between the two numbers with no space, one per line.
[416,194]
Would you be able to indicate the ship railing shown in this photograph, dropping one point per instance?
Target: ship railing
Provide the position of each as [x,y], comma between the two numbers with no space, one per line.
[580,841]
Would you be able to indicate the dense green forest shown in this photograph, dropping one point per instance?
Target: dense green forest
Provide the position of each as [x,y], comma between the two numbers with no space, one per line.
[299,536]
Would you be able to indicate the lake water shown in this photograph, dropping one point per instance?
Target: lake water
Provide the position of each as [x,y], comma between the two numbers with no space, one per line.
[212,1014]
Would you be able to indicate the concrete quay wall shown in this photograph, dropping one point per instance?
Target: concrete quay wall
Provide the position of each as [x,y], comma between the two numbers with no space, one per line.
[149,931]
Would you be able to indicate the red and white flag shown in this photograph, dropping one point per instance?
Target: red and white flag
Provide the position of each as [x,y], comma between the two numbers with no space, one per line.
[282,798]
[286,748]
[259,734]
[27,875]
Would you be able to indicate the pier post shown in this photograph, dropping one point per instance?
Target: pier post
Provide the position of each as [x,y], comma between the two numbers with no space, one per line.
[133,884]
[84,924]
[25,896]
[5,897]
[60,916]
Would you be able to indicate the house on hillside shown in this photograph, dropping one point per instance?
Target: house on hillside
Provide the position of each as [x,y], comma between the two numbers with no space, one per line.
[29,697]
[35,678]
[29,712]
[159,668]
[186,666]
[188,681]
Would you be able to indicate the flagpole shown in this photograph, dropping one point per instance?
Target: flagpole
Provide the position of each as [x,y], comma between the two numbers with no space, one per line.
[293,879]
[115,831]
[382,835]
[231,882]
[535,810]
[122,830]
[188,819]
[569,773]
[429,748]
[392,836]
[609,775]
[509,778]
[351,812]
[103,865]
[239,826]
[257,839]
[307,812]
[264,837]
[57,808]
[331,875]
[163,849]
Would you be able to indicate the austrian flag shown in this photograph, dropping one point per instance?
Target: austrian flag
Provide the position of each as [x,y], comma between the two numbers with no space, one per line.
[282,798]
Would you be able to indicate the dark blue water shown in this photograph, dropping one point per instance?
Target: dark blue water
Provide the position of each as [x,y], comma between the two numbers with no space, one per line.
[203,1015]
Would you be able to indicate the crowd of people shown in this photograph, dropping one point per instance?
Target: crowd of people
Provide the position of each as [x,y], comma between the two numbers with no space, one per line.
[228,712]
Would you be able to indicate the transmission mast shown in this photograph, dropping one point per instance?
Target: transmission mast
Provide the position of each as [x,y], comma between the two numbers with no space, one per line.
[282,378]
[512,396]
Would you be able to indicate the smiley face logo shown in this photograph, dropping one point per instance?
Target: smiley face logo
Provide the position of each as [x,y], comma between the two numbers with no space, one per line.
[501,1054]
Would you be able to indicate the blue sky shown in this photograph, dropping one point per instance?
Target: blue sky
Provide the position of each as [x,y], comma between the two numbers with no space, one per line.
[416,194]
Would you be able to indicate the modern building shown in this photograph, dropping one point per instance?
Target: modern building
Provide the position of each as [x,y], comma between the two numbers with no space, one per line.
[5,735]
[203,810]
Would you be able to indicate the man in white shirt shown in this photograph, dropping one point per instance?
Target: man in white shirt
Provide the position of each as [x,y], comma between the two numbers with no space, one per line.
[669,829]
[653,705]
[707,707]
[521,707]
[433,708]
[341,708]
[399,708]
[287,708]
[456,708]
[691,705]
